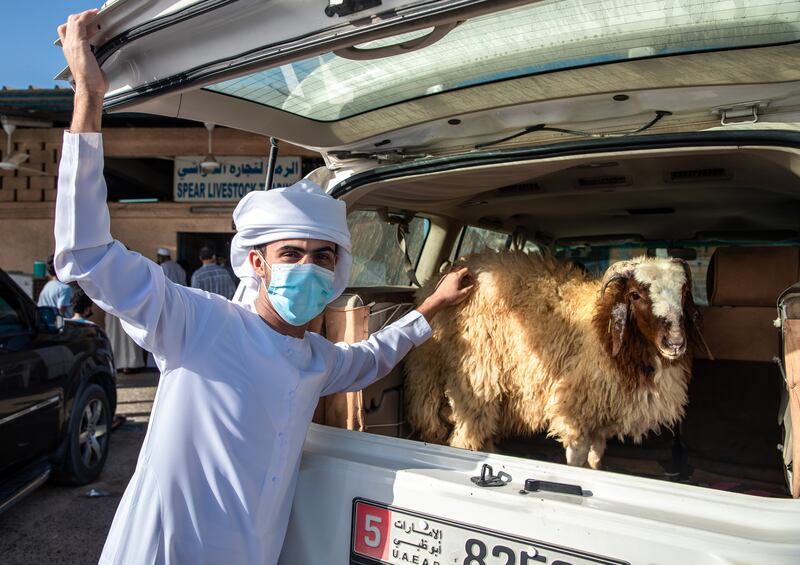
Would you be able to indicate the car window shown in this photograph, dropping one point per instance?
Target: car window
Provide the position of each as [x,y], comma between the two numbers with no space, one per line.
[377,257]
[531,247]
[539,38]
[12,320]
[597,258]
[474,240]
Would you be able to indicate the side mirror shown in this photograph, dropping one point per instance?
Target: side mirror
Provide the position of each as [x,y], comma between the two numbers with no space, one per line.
[48,320]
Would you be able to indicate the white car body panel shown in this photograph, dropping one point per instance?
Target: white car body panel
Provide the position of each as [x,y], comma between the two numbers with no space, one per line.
[627,518]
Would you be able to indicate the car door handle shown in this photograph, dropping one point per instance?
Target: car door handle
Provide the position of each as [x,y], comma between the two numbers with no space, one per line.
[535,485]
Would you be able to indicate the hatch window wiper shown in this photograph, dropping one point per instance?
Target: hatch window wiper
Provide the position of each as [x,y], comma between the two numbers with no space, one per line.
[544,127]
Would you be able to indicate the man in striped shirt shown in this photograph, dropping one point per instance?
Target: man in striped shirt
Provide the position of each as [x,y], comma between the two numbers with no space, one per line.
[211,277]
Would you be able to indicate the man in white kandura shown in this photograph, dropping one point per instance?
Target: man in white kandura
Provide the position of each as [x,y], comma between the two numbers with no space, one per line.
[174,272]
[217,471]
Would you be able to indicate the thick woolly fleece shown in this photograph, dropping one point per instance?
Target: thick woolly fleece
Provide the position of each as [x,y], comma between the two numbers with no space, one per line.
[524,354]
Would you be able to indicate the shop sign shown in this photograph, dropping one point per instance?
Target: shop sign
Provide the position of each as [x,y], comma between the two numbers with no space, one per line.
[235,177]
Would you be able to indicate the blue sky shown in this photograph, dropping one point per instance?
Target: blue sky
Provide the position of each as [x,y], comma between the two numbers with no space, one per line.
[27,53]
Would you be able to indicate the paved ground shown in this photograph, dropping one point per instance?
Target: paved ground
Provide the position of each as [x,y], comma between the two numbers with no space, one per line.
[61,525]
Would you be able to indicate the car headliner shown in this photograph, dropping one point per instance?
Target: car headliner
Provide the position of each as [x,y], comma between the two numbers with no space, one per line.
[673,193]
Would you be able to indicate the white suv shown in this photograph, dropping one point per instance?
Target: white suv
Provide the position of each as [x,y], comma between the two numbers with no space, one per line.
[591,130]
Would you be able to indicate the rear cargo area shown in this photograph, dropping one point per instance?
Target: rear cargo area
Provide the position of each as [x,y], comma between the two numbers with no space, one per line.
[731,435]
[731,213]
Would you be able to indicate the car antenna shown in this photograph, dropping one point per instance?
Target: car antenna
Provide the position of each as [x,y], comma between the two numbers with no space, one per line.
[273,157]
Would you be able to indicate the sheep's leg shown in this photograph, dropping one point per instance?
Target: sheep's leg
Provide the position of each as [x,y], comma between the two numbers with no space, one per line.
[596,451]
[426,417]
[468,434]
[578,452]
[425,398]
[476,423]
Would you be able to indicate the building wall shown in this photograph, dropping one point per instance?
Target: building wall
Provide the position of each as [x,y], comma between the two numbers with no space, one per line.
[26,235]
[26,230]
[27,200]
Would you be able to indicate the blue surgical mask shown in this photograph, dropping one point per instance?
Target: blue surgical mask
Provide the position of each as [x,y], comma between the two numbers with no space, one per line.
[299,292]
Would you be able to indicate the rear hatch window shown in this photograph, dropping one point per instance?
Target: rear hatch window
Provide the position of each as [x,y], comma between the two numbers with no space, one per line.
[540,38]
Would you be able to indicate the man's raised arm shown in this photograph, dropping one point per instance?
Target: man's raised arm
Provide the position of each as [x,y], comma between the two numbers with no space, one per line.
[154,312]
[90,82]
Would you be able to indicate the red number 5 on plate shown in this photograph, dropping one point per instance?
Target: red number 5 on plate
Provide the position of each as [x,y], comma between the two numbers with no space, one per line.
[372,529]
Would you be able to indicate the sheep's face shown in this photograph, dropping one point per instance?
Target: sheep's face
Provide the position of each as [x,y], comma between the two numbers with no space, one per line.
[658,294]
[655,295]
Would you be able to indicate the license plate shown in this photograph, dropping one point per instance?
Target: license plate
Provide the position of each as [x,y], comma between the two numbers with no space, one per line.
[387,535]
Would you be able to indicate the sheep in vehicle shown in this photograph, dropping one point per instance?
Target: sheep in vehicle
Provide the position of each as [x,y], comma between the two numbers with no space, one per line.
[541,346]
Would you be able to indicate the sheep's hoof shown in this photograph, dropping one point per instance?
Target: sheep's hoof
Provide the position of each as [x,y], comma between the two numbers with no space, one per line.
[463,443]
[596,465]
[595,458]
[577,455]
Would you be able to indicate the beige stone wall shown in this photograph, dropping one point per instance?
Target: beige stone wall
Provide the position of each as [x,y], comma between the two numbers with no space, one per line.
[43,147]
[26,229]
[27,199]
[24,237]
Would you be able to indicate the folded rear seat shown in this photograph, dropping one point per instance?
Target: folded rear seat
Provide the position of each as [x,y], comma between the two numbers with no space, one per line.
[732,424]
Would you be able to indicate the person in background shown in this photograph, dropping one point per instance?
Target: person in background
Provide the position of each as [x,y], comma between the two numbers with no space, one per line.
[222,261]
[55,293]
[127,355]
[184,264]
[81,307]
[211,277]
[174,272]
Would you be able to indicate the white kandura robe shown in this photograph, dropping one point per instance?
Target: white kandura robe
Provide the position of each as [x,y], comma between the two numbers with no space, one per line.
[217,471]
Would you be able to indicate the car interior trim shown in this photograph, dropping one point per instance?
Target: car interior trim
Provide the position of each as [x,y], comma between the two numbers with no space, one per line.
[583,147]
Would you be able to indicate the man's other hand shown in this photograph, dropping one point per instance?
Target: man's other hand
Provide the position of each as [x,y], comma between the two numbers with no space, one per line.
[90,82]
[82,63]
[452,289]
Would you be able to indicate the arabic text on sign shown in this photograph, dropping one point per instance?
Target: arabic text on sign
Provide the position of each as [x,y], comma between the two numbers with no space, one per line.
[231,180]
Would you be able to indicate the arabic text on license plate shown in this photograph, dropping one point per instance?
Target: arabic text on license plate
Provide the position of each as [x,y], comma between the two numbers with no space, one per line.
[387,535]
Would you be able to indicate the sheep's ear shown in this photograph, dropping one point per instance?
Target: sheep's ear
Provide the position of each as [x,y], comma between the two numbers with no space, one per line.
[616,325]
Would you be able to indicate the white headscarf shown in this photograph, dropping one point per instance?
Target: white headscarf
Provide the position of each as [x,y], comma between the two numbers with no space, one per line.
[300,211]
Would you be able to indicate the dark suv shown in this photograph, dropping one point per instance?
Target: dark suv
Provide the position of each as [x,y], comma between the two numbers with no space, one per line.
[57,396]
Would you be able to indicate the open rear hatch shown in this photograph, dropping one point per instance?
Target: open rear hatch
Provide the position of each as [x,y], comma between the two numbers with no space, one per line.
[401,80]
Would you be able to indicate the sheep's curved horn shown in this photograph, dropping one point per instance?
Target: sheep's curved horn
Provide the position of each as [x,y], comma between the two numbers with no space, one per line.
[617,271]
